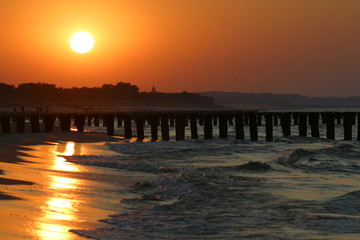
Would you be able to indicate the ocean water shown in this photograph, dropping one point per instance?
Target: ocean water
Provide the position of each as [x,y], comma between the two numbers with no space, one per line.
[292,188]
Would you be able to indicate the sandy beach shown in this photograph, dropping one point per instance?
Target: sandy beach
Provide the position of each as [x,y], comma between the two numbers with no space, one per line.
[42,196]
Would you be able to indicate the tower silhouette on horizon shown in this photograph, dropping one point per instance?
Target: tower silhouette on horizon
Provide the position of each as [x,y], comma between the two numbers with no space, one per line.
[153,90]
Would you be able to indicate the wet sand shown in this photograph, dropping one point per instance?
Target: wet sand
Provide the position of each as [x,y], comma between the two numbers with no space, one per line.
[42,196]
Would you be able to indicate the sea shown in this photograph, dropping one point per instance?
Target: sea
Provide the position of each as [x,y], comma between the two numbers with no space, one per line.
[291,188]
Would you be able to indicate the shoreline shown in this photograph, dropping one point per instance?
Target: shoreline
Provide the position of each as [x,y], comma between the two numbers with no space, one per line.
[42,196]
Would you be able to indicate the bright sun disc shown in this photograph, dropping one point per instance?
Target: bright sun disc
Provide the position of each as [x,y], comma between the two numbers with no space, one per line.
[81,42]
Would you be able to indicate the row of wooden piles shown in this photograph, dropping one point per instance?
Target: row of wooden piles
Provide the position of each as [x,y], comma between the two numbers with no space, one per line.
[180,120]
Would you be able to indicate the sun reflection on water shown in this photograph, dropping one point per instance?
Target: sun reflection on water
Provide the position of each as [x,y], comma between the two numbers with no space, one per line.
[61,207]
[65,149]
[63,182]
[51,231]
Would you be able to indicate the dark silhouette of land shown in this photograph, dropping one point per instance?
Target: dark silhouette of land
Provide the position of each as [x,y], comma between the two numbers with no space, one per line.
[126,94]
[237,100]
[121,94]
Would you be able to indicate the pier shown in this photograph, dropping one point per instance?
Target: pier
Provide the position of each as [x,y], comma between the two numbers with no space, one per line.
[211,124]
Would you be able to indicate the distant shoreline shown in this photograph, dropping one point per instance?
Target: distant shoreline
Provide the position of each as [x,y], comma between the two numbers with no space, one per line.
[239,100]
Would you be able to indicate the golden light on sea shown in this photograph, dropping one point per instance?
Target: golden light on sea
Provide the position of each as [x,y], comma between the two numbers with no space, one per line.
[61,207]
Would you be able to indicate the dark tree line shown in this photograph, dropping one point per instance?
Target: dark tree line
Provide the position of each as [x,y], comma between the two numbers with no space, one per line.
[108,94]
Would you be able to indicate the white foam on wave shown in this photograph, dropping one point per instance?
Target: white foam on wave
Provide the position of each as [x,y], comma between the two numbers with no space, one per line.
[293,156]
[342,157]
[120,162]
[190,188]
[179,149]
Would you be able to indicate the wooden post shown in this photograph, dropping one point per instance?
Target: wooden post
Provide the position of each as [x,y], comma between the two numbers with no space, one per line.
[65,122]
[127,127]
[193,126]
[239,126]
[179,127]
[165,136]
[330,125]
[139,121]
[80,122]
[208,128]
[348,120]
[314,124]
[259,119]
[223,127]
[5,124]
[323,117]
[97,120]
[246,119]
[269,127]
[286,123]
[89,118]
[302,118]
[253,127]
[109,121]
[153,121]
[49,121]
[230,119]
[20,124]
[35,125]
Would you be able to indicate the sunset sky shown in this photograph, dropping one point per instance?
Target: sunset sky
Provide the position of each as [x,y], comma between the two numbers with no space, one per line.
[310,47]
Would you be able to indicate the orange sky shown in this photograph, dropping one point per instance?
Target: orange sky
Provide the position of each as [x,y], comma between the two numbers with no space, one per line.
[280,46]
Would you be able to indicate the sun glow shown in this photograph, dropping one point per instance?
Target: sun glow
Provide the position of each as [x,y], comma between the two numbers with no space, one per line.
[81,42]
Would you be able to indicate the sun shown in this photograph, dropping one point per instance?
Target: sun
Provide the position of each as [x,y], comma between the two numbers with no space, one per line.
[81,42]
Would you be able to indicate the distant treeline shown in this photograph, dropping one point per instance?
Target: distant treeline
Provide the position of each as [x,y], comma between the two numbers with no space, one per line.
[108,94]
[237,100]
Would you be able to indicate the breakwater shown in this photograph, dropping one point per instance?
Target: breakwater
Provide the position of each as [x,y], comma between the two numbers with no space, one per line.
[160,122]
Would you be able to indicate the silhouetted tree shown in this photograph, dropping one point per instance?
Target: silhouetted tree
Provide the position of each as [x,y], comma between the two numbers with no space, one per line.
[6,89]
[109,94]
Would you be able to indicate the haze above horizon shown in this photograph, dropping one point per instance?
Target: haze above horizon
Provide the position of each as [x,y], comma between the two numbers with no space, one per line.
[304,47]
